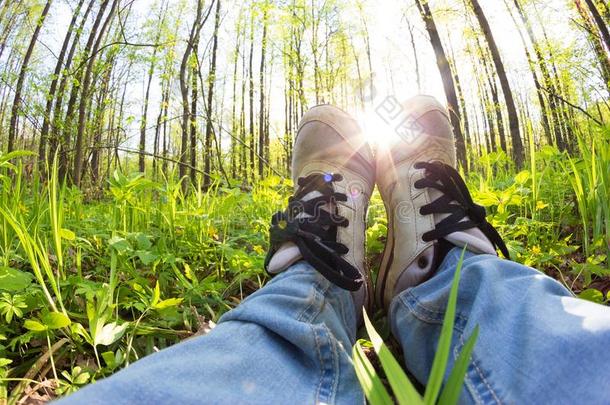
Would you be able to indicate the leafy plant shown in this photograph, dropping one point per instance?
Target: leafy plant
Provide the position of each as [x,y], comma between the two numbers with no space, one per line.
[12,306]
[403,390]
[114,278]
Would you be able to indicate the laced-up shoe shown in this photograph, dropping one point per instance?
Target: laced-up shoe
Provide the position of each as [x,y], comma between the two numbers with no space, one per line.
[334,173]
[428,205]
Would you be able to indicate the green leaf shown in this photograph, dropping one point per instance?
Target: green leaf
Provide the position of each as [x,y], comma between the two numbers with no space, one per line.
[187,271]
[403,389]
[5,362]
[147,257]
[593,295]
[487,198]
[109,334]
[67,234]
[371,384]
[82,378]
[13,279]
[33,325]
[121,245]
[453,387]
[80,330]
[109,359]
[443,348]
[55,320]
[7,157]
[143,241]
[156,295]
[522,177]
[170,302]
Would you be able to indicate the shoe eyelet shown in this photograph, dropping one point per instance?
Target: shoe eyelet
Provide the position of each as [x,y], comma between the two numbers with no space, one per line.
[422,262]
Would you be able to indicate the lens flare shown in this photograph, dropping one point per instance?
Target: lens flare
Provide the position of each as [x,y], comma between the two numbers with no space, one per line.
[378,132]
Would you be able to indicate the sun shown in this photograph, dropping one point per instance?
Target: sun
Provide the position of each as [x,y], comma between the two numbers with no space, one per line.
[378,131]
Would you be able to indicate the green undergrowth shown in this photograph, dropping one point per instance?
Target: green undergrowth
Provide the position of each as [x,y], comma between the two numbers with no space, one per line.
[89,285]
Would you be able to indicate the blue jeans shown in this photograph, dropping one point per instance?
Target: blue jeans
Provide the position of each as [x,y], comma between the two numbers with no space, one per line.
[291,341]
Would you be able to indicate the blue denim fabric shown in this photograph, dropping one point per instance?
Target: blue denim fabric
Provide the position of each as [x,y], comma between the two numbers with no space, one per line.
[537,343]
[290,343]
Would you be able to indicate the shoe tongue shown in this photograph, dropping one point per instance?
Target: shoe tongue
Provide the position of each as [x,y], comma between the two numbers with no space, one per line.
[311,195]
[473,239]
[328,207]
[289,253]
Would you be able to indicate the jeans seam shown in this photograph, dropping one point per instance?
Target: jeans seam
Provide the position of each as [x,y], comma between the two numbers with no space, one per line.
[479,372]
[426,314]
[319,352]
[318,290]
[415,307]
[323,340]
[308,315]
[335,361]
[343,312]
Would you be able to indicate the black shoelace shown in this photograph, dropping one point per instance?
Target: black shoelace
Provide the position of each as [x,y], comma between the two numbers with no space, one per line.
[457,202]
[316,234]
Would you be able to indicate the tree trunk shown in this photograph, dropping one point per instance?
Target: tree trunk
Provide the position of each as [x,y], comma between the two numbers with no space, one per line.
[234,124]
[11,21]
[84,100]
[460,94]
[251,100]
[12,131]
[261,112]
[242,118]
[99,114]
[209,129]
[143,122]
[530,60]
[483,93]
[59,125]
[447,77]
[597,40]
[193,114]
[513,119]
[195,29]
[415,57]
[546,79]
[42,151]
[599,22]
[315,24]
[159,123]
[367,48]
[165,132]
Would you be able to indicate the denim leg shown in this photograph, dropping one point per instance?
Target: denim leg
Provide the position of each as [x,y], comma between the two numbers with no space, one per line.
[537,343]
[290,342]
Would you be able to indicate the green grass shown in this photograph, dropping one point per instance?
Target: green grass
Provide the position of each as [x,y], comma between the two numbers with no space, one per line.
[105,277]
[402,389]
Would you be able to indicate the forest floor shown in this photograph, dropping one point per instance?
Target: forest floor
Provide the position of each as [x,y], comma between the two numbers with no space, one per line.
[105,281]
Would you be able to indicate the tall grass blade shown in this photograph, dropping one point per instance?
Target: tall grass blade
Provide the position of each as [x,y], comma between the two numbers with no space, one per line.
[370,382]
[403,389]
[439,364]
[453,387]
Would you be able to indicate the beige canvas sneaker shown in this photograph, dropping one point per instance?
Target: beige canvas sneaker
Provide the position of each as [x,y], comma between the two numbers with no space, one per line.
[428,205]
[333,171]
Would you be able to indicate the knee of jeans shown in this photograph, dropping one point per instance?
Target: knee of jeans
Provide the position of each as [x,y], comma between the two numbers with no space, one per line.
[297,292]
[483,268]
[429,299]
